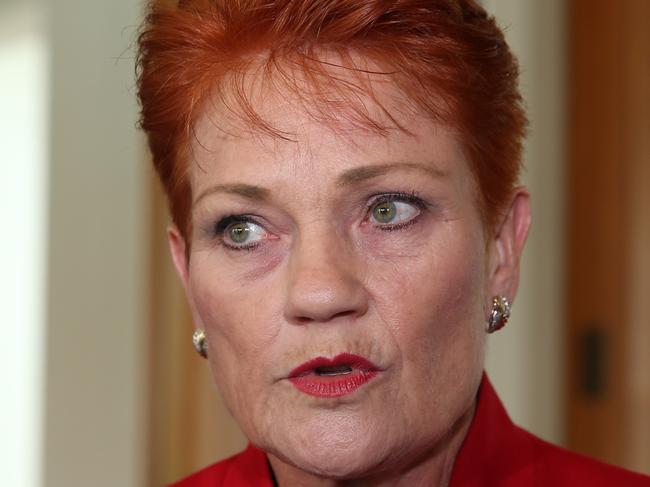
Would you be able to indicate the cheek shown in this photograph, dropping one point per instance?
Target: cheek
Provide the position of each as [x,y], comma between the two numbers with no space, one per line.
[238,324]
[436,292]
[437,317]
[231,307]
[242,329]
[434,305]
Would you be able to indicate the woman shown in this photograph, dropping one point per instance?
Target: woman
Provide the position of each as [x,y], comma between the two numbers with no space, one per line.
[342,176]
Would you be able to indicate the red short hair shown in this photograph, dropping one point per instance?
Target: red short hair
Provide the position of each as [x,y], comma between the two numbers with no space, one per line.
[447,56]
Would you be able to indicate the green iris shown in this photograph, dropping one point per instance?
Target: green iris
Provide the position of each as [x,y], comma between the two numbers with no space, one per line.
[239,232]
[385,212]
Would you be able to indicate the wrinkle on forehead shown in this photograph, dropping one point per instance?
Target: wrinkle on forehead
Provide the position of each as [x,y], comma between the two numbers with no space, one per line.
[349,95]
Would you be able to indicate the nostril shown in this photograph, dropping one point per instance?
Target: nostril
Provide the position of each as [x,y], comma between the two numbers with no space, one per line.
[302,320]
[314,317]
[341,314]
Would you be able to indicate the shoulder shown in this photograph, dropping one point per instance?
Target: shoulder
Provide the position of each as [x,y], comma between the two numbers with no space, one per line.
[496,452]
[212,475]
[560,467]
[248,468]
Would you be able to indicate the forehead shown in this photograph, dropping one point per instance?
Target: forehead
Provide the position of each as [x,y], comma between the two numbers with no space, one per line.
[264,118]
[318,150]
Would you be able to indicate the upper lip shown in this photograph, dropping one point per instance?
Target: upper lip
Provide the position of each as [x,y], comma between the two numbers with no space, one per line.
[353,361]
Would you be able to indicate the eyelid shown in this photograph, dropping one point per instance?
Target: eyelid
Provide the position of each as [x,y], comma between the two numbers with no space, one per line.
[412,198]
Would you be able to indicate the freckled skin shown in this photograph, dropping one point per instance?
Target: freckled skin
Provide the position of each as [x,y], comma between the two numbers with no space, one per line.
[325,280]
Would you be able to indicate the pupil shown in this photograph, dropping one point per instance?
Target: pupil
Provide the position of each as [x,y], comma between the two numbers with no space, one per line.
[385,212]
[239,233]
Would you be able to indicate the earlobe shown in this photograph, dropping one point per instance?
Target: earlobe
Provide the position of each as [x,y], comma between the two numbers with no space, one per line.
[178,254]
[509,244]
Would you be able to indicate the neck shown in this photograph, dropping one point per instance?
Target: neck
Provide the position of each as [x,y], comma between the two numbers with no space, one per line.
[433,467]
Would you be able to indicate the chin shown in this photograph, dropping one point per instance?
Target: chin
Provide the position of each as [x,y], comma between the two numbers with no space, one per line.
[341,465]
[337,451]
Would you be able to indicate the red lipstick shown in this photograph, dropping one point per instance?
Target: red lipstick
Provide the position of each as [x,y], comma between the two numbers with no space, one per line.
[335,377]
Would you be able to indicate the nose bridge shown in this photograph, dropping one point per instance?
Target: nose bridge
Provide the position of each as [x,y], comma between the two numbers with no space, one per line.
[324,278]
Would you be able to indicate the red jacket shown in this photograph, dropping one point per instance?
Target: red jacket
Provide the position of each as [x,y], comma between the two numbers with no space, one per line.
[495,452]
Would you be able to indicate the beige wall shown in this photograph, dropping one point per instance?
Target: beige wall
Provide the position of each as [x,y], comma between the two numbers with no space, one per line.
[95,373]
[525,360]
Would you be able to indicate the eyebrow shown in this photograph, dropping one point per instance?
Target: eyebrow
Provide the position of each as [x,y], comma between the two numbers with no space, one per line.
[360,174]
[255,193]
[348,178]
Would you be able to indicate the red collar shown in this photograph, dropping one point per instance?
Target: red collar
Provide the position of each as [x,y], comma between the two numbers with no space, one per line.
[493,447]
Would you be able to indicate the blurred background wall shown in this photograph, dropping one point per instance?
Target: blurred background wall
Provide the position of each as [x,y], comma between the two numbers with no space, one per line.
[96,358]
[74,205]
[96,302]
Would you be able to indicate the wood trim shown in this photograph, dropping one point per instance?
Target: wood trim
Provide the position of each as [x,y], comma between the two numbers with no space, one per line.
[608,153]
[637,109]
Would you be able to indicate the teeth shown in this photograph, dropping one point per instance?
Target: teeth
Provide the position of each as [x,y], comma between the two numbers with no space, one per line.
[333,370]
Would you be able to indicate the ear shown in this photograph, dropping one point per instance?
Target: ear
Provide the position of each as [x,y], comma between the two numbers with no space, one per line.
[177,248]
[508,245]
[179,256]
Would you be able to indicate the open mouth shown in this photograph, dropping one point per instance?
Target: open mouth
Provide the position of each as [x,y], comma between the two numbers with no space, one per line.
[333,370]
[335,377]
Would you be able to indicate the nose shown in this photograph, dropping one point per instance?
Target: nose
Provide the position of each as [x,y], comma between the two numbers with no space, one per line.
[323,282]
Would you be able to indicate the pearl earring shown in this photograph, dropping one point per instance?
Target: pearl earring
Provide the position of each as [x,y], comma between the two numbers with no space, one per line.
[200,343]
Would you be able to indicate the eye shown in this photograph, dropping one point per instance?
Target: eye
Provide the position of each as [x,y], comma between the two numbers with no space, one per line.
[239,232]
[394,211]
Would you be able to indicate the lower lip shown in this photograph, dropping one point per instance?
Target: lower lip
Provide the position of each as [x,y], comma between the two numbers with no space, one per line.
[333,386]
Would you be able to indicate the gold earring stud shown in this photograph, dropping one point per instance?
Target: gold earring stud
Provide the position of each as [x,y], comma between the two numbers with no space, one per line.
[200,343]
[499,314]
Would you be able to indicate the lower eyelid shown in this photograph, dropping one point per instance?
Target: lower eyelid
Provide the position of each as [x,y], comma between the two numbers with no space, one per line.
[241,248]
[399,226]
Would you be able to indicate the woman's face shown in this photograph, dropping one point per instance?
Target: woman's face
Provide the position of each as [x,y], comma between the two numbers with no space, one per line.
[339,242]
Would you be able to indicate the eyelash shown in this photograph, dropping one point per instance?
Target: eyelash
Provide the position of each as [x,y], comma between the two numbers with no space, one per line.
[413,197]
